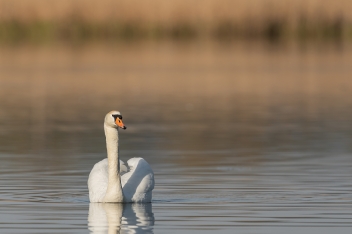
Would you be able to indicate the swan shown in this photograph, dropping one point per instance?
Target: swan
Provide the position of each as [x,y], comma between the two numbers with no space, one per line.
[111,180]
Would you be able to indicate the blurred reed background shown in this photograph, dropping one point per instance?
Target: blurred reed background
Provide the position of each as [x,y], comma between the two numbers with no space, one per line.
[79,20]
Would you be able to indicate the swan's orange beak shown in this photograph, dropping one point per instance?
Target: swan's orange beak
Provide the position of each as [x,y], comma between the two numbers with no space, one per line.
[120,123]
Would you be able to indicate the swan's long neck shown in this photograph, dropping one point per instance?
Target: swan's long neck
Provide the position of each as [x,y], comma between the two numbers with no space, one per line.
[114,191]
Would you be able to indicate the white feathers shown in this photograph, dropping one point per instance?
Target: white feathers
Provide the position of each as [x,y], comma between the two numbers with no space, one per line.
[108,184]
[137,181]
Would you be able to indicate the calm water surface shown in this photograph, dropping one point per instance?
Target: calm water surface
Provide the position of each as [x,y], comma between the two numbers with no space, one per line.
[243,138]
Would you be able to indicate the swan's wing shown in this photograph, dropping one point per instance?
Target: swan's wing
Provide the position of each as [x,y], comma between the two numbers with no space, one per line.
[123,168]
[138,183]
[98,180]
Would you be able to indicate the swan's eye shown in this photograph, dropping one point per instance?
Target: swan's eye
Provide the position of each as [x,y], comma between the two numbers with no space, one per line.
[117,116]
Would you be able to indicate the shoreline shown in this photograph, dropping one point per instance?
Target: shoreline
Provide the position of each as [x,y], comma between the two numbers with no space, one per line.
[76,21]
[80,31]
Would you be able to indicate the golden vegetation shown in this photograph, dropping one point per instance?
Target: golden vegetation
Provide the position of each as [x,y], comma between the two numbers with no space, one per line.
[40,20]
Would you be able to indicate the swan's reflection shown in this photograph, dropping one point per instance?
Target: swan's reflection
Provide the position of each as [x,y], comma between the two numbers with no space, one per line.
[120,218]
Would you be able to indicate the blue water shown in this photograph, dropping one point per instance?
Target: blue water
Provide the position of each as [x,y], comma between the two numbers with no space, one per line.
[242,138]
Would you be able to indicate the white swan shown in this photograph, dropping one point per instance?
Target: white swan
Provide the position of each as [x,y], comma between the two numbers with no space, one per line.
[111,180]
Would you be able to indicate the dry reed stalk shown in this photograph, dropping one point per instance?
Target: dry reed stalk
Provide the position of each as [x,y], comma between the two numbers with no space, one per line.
[271,18]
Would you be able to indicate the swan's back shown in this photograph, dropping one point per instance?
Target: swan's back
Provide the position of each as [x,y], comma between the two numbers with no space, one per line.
[137,181]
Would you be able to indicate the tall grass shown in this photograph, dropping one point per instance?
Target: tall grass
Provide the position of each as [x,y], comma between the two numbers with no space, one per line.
[47,20]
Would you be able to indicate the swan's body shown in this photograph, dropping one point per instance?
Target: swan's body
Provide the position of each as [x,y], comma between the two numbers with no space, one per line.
[111,180]
[137,183]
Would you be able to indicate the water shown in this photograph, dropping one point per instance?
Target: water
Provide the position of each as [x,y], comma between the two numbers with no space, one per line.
[242,137]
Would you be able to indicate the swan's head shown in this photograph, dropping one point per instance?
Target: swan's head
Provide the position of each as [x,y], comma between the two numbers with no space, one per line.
[114,119]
